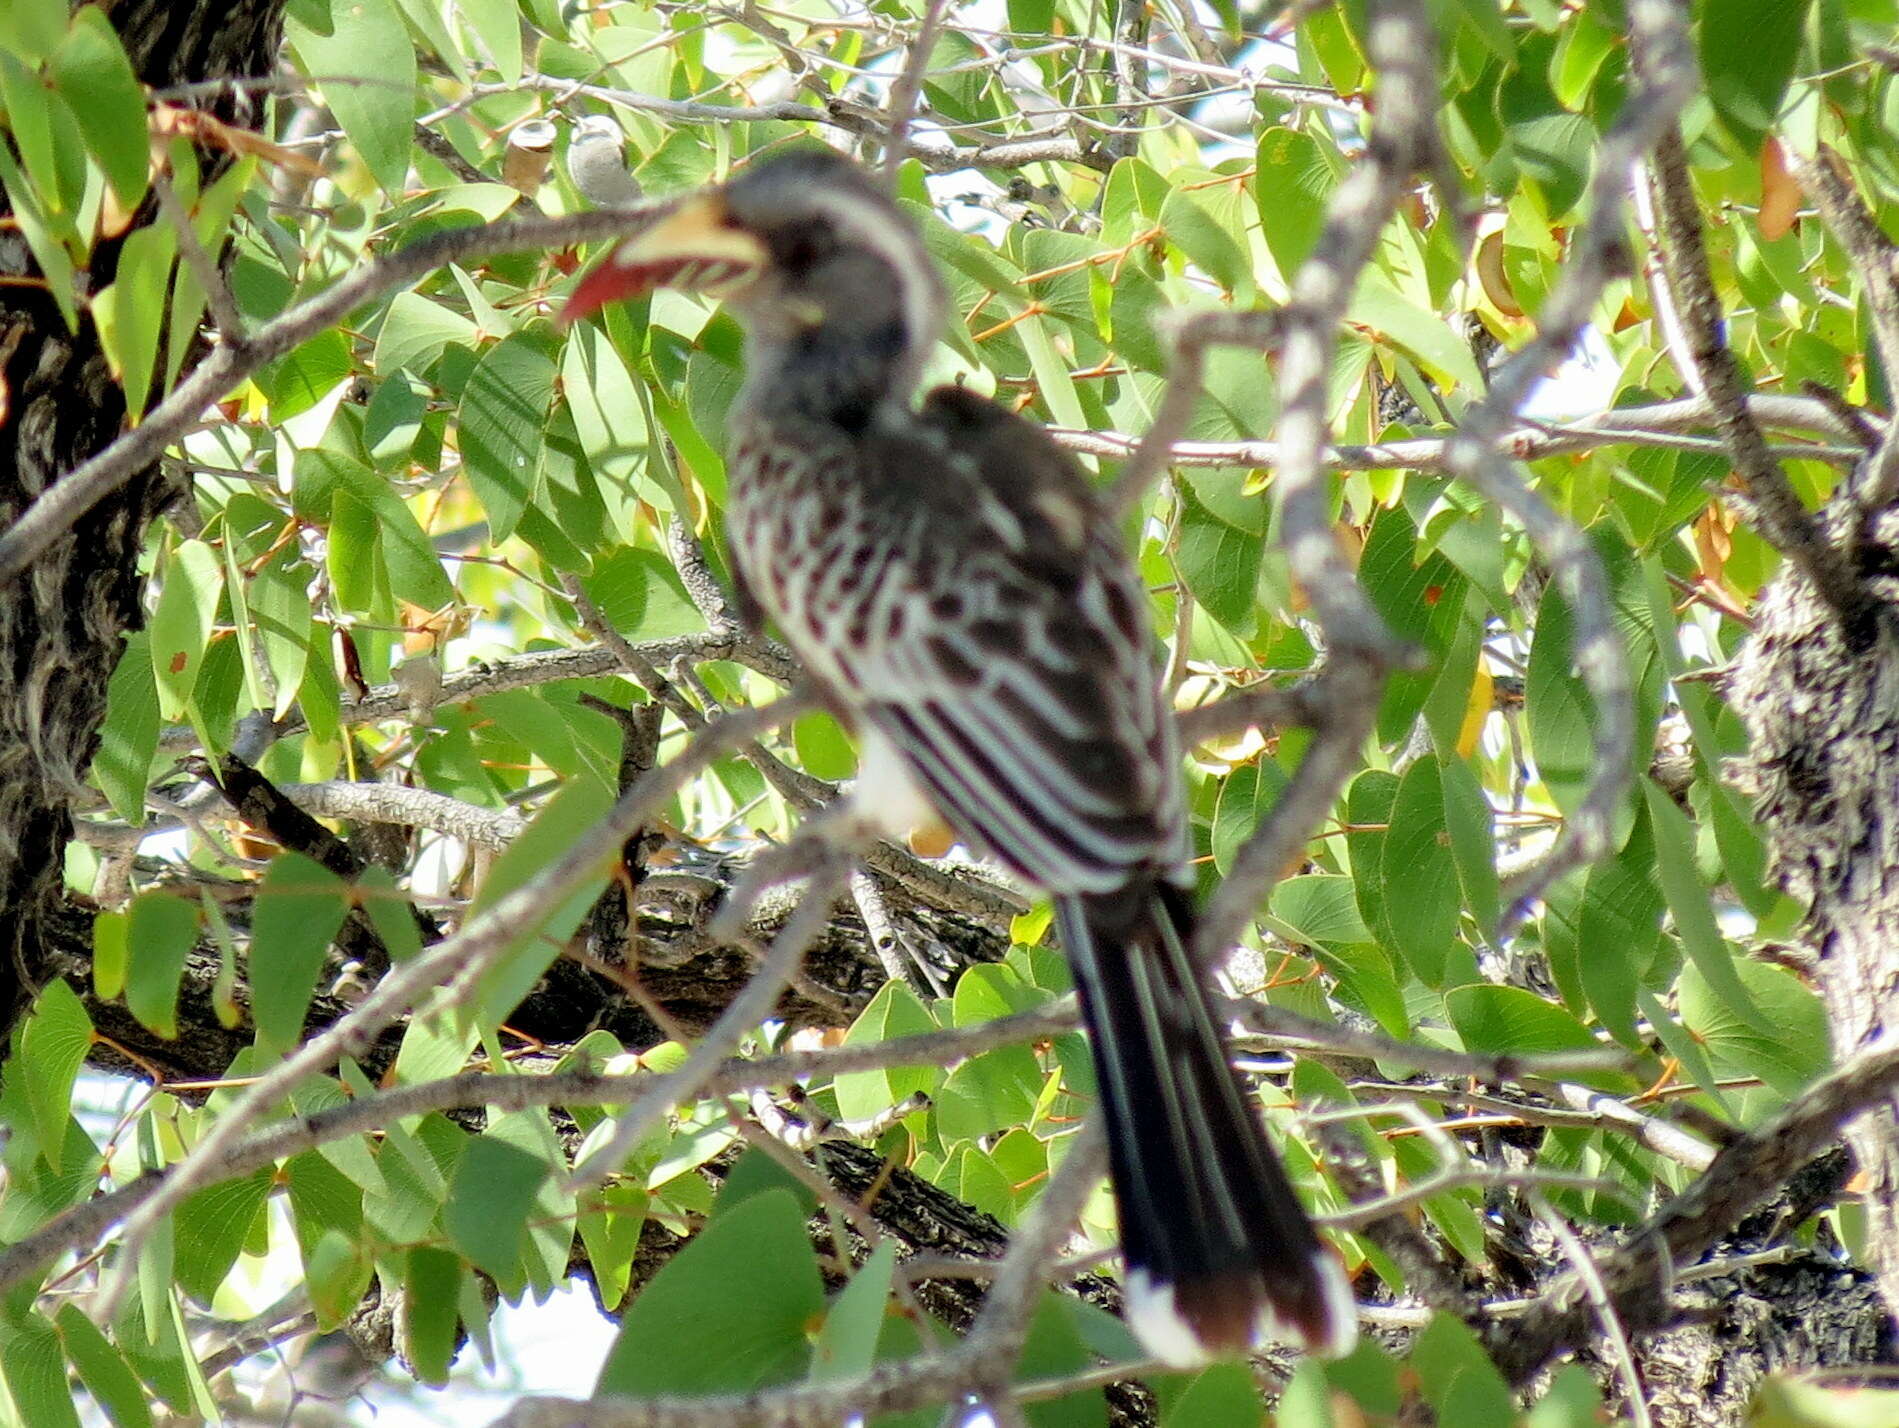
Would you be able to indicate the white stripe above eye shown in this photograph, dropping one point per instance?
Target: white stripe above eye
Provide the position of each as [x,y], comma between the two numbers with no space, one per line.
[864,221]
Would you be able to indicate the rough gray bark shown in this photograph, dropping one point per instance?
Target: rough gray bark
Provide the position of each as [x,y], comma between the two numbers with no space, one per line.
[62,624]
[1821,708]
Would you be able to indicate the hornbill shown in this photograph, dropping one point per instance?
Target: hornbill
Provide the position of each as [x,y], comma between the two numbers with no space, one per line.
[966,602]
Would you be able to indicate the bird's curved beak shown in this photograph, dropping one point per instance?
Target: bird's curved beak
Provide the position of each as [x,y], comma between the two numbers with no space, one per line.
[694,248]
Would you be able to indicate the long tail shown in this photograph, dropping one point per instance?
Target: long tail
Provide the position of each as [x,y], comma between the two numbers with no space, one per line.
[1220,1255]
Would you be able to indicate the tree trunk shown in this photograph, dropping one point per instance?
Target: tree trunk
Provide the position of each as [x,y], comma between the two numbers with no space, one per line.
[1822,716]
[62,624]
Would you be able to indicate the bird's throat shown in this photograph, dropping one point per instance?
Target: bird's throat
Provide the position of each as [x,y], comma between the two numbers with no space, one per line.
[836,374]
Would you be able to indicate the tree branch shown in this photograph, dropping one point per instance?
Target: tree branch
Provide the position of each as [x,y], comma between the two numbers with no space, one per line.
[1597,254]
[464,957]
[1781,518]
[1743,1175]
[62,504]
[1359,649]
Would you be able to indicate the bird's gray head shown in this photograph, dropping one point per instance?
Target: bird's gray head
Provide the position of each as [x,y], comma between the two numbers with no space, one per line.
[817,262]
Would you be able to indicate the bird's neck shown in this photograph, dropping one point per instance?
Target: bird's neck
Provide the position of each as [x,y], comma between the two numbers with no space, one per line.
[834,374]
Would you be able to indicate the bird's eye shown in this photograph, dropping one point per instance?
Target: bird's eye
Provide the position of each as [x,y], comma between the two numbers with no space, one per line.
[804,247]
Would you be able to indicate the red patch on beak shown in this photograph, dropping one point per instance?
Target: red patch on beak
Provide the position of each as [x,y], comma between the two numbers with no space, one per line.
[618,280]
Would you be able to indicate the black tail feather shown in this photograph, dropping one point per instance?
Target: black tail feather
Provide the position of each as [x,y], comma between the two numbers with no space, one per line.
[1219,1251]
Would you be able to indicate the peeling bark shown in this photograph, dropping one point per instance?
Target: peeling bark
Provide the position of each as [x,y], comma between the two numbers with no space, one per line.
[1822,715]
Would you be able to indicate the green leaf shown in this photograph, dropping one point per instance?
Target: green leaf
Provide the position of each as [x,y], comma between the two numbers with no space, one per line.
[1471,824]
[497,24]
[90,69]
[1458,1378]
[1690,904]
[606,406]
[1223,1396]
[102,1368]
[109,954]
[430,1282]
[610,1230]
[56,264]
[504,408]
[1617,930]
[1368,803]
[300,908]
[988,1093]
[1783,1401]
[1572,1401]
[1560,715]
[1219,564]
[1584,43]
[366,41]
[1319,909]
[1246,796]
[990,990]
[847,1345]
[1420,876]
[567,818]
[211,1228]
[414,569]
[1485,19]
[728,1314]
[550,1223]
[46,132]
[1054,1348]
[822,747]
[1786,1056]
[893,1012]
[336,1271]
[158,937]
[1508,1021]
[33,28]
[181,625]
[284,619]
[414,331]
[358,573]
[1420,595]
[131,312]
[978,1179]
[53,1046]
[1400,321]
[1292,184]
[488,1203]
[1211,242]
[307,374]
[36,1374]
[1749,49]
[641,596]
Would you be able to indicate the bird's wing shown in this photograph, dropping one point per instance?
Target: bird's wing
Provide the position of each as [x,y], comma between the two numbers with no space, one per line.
[1020,687]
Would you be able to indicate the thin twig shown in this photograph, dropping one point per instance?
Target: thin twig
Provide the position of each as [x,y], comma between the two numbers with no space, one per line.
[901,108]
[76,492]
[1665,425]
[1360,649]
[1192,334]
[528,671]
[1778,512]
[1598,1296]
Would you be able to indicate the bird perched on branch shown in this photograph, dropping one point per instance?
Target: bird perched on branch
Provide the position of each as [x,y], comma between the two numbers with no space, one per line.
[967,605]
